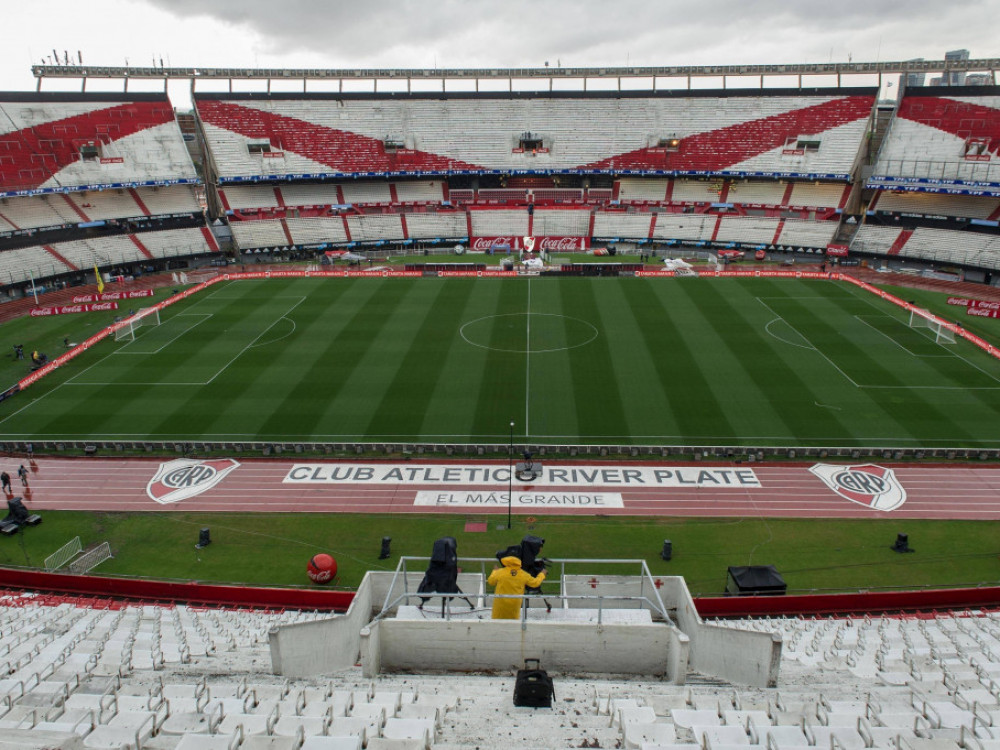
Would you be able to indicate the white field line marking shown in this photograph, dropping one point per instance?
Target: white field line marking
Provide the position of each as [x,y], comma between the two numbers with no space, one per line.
[902,346]
[865,298]
[773,335]
[219,372]
[147,385]
[837,441]
[811,344]
[29,405]
[256,338]
[294,328]
[209,296]
[885,387]
[527,364]
[203,316]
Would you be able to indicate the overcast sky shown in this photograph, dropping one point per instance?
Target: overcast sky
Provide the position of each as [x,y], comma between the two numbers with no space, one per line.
[482,33]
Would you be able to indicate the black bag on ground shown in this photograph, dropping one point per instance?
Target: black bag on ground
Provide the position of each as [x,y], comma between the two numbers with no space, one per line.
[533,686]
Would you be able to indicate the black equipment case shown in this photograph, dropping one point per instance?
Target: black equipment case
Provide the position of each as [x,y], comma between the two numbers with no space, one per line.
[533,686]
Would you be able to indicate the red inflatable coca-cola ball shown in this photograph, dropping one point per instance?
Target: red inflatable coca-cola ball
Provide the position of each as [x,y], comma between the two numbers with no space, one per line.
[322,569]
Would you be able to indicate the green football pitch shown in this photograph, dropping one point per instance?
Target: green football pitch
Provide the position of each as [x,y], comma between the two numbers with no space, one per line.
[755,362]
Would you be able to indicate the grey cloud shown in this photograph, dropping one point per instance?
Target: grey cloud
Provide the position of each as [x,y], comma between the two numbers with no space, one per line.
[598,32]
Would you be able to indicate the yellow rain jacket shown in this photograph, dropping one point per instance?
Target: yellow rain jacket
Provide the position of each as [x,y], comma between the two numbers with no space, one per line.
[510,579]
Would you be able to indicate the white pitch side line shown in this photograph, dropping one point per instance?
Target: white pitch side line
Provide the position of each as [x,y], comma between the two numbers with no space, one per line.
[257,338]
[527,364]
[203,316]
[865,298]
[811,344]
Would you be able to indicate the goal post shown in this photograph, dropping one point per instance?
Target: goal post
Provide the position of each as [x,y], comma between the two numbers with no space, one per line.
[148,317]
[938,328]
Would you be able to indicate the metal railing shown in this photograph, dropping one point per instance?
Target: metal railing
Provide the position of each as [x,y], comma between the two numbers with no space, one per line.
[647,598]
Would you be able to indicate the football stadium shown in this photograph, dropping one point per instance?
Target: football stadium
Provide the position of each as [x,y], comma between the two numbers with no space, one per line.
[521,415]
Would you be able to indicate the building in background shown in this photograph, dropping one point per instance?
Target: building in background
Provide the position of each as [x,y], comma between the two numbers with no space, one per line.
[912,79]
[957,78]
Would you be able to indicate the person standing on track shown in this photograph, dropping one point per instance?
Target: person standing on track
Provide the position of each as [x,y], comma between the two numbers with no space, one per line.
[5,483]
[23,473]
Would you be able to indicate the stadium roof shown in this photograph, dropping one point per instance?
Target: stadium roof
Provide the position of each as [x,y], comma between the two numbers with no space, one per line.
[551,74]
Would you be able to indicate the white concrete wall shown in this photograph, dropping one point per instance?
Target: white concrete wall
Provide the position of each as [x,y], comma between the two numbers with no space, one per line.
[739,656]
[744,657]
[326,646]
[570,647]
[323,646]
[371,657]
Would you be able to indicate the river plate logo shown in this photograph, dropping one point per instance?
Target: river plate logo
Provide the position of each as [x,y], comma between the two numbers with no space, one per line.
[873,486]
[184,478]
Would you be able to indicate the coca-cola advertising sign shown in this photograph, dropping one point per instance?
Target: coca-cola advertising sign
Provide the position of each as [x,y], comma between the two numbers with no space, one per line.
[983,312]
[38,312]
[111,296]
[562,244]
[548,244]
[482,244]
[979,304]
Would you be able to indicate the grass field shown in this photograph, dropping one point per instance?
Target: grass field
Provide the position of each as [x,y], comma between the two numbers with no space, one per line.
[831,555]
[570,360]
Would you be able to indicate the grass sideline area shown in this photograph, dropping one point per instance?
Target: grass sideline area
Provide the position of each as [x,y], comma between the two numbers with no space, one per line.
[273,549]
[591,360]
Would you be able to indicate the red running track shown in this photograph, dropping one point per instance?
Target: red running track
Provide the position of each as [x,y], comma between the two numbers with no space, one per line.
[120,484]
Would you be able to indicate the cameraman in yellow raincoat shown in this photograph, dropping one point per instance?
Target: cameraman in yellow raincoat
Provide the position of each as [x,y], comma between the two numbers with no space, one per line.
[510,579]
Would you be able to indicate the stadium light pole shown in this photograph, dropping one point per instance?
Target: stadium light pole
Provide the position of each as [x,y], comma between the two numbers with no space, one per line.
[510,472]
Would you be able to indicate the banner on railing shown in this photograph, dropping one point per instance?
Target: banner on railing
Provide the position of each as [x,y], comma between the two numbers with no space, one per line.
[110,296]
[953,327]
[486,273]
[38,312]
[103,334]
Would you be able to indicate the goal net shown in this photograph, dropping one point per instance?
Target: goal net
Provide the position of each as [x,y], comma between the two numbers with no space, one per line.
[148,317]
[937,327]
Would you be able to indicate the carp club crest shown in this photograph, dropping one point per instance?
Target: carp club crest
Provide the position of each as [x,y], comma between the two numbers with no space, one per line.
[184,478]
[873,486]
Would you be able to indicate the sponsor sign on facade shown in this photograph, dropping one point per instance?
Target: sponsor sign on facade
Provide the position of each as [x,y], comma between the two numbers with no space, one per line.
[185,478]
[547,243]
[867,484]
[466,475]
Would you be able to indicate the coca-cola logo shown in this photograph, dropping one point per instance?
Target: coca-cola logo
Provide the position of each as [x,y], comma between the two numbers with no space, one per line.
[562,243]
[485,243]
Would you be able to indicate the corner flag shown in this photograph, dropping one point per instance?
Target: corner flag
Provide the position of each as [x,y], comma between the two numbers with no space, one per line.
[100,281]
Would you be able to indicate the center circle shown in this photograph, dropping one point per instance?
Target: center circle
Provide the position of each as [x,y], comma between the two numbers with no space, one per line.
[528,333]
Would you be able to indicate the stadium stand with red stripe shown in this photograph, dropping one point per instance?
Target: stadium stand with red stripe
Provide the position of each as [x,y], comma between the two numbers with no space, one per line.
[255,136]
[63,142]
[943,142]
